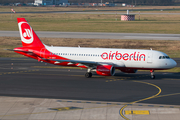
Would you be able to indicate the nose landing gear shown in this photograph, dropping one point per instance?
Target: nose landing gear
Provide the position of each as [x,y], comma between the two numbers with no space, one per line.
[152,74]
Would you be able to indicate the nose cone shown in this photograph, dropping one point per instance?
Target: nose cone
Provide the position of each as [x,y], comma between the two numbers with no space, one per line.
[168,63]
[173,63]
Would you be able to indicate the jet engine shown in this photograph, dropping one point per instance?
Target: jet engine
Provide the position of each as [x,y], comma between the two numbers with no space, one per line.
[105,70]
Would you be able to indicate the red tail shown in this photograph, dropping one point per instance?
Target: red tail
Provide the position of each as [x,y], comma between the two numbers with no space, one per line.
[28,36]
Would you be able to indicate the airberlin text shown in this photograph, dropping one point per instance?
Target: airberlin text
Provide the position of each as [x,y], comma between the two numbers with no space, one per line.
[136,56]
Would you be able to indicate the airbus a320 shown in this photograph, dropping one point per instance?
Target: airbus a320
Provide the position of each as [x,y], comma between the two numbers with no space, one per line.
[103,61]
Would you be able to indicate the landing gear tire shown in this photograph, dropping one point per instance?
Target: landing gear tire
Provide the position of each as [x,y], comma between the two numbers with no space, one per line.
[152,76]
[88,75]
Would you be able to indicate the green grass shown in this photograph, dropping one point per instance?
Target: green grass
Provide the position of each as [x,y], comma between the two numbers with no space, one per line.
[169,47]
[94,23]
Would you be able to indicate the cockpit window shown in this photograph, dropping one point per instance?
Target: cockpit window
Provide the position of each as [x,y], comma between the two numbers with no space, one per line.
[164,57]
[167,57]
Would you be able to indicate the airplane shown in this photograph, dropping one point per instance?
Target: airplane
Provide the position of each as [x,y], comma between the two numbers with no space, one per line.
[103,61]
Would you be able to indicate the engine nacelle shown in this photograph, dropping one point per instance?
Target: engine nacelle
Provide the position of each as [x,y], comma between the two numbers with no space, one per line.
[127,70]
[105,70]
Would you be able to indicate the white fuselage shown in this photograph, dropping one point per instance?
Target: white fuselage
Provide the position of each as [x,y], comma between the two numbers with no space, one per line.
[130,58]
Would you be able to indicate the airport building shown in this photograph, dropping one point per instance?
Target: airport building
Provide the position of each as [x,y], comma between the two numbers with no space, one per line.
[50,2]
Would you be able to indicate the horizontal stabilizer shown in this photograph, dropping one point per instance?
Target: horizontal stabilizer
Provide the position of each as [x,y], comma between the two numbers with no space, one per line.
[9,49]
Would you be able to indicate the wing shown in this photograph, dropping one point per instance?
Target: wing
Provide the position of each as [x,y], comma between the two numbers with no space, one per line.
[86,63]
[81,62]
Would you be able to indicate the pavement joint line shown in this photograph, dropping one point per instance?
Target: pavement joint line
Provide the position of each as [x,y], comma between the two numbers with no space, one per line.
[122,109]
[166,106]
[65,108]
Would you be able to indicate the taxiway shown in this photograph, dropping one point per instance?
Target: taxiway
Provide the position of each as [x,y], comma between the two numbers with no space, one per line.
[33,90]
[97,35]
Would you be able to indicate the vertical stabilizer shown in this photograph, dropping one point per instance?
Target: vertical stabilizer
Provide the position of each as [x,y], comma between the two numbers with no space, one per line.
[27,34]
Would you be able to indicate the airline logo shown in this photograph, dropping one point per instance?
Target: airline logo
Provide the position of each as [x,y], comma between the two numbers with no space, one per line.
[136,56]
[26,32]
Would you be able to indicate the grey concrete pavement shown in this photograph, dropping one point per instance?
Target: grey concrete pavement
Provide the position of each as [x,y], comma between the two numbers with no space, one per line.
[97,35]
[20,108]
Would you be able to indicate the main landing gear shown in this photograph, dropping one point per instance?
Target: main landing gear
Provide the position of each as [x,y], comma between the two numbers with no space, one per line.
[88,74]
[152,74]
